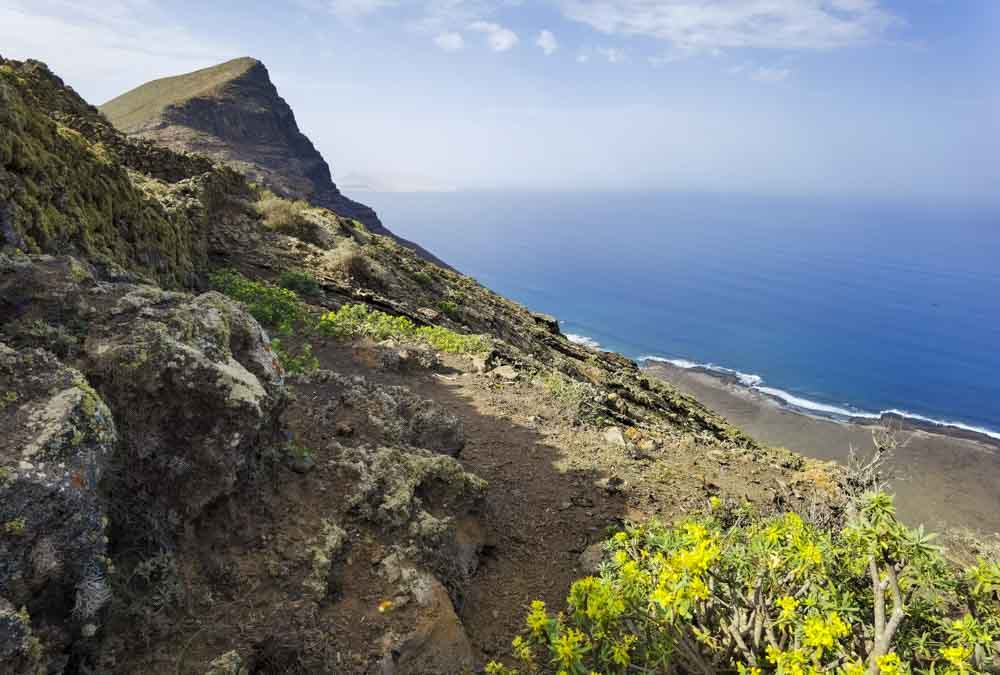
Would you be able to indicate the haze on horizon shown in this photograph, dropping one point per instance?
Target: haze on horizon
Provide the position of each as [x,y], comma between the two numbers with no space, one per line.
[873,98]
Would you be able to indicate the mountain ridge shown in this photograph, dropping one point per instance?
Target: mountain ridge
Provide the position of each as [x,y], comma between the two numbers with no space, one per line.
[233,113]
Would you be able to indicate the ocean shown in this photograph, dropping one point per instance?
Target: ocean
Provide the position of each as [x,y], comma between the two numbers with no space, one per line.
[837,307]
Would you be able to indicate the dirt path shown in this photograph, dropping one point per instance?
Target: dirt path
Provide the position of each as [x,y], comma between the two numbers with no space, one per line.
[554,487]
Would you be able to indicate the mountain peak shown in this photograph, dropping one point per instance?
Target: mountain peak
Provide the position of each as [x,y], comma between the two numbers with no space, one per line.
[232,113]
[133,109]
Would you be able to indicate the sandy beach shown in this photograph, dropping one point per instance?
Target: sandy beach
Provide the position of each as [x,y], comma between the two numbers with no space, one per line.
[942,479]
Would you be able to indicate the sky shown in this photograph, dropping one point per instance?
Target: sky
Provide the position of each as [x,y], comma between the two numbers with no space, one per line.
[896,99]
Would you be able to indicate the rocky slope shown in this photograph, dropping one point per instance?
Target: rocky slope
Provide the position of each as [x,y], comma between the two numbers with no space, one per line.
[182,492]
[233,113]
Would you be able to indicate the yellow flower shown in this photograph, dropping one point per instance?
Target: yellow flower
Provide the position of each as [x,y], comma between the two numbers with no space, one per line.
[957,655]
[714,502]
[788,605]
[568,647]
[695,531]
[384,606]
[537,619]
[889,664]
[662,597]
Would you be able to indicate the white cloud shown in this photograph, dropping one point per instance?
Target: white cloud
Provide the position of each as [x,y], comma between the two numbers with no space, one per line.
[547,41]
[499,37]
[450,42]
[352,9]
[613,54]
[713,24]
[583,57]
[766,74]
[103,50]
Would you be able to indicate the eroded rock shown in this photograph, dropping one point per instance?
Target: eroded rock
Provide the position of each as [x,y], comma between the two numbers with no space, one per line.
[196,391]
[56,440]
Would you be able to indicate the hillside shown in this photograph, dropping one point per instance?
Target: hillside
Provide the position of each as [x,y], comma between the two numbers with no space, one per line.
[245,435]
[233,114]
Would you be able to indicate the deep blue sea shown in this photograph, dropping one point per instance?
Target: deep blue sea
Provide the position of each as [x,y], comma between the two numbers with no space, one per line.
[837,307]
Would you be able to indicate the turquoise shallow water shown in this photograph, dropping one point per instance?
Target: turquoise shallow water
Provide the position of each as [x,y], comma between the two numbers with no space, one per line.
[836,307]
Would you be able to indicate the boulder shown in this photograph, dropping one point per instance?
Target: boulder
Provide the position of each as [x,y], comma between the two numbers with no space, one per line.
[56,441]
[507,372]
[196,391]
[438,642]
[614,436]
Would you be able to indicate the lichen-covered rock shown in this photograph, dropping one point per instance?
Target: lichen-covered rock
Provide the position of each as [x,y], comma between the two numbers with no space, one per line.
[395,414]
[230,663]
[430,503]
[21,653]
[56,440]
[323,552]
[196,390]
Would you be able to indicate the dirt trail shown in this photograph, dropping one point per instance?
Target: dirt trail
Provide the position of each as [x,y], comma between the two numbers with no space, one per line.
[554,488]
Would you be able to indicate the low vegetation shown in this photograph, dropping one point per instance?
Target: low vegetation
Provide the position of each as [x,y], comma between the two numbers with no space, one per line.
[734,591]
[278,308]
[359,320]
[282,310]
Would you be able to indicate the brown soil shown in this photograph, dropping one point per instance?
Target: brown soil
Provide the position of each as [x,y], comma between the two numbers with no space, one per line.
[554,487]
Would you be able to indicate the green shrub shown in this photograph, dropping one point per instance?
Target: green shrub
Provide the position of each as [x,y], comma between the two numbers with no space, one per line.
[449,309]
[445,340]
[565,389]
[302,283]
[423,278]
[280,214]
[736,592]
[295,364]
[359,320]
[278,308]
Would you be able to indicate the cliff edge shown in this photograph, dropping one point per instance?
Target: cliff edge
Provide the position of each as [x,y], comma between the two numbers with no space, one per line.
[232,113]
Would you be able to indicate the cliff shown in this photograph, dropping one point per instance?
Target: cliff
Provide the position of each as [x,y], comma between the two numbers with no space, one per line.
[233,113]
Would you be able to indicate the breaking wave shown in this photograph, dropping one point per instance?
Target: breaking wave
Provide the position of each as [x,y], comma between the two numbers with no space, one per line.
[583,340]
[756,382]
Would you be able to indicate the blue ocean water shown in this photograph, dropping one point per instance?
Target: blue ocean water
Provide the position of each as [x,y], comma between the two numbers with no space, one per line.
[835,306]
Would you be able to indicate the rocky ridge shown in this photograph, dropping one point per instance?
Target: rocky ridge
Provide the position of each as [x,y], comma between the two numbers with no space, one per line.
[233,113]
[174,499]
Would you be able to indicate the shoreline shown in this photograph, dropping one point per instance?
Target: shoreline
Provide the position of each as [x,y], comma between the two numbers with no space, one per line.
[947,475]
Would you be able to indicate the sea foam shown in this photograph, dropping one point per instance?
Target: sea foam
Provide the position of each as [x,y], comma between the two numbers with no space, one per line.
[756,383]
[583,340]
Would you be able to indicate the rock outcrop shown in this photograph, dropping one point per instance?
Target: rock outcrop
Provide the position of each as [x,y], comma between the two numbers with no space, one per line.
[232,113]
[169,402]
[56,440]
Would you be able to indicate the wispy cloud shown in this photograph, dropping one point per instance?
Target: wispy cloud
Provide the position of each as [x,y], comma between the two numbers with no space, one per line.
[353,9]
[724,24]
[450,41]
[760,73]
[765,74]
[613,54]
[107,48]
[498,37]
[547,41]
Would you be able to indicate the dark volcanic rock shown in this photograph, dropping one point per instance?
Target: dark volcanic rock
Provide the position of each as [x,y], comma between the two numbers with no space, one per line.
[56,440]
[233,114]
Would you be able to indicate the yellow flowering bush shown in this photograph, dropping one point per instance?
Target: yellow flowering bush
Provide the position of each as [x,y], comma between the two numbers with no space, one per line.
[735,592]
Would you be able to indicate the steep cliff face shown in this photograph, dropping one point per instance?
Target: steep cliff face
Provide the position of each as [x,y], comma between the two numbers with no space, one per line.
[233,113]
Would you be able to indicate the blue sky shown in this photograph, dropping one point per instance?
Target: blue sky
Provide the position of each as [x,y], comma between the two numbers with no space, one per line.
[845,97]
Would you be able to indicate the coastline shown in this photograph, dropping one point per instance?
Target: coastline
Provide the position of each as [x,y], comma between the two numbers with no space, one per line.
[947,476]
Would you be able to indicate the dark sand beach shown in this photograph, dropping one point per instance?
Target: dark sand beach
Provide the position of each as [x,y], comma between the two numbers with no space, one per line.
[943,479]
